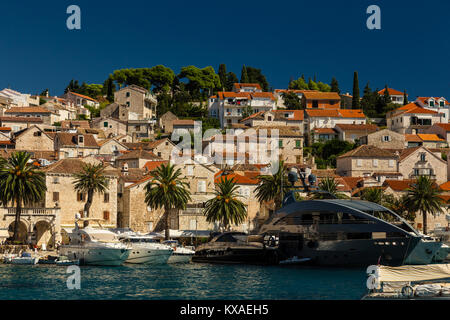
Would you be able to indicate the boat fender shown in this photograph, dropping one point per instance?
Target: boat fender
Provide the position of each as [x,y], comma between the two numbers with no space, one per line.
[408,291]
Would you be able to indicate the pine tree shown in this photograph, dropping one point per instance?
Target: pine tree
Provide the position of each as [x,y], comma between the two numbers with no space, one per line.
[356,103]
[244,76]
[386,96]
[335,86]
[405,98]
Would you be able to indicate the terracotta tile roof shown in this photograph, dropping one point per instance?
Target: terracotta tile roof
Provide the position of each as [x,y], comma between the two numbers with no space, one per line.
[8,142]
[255,115]
[283,131]
[323,113]
[138,154]
[324,131]
[412,138]
[5,129]
[321,96]
[325,173]
[293,91]
[66,124]
[223,95]
[368,151]
[445,126]
[352,113]
[71,166]
[152,165]
[239,179]
[398,185]
[425,100]
[430,137]
[70,140]
[445,186]
[133,175]
[83,96]
[412,108]
[298,115]
[392,92]
[183,122]
[21,119]
[48,155]
[241,85]
[267,95]
[358,127]
[27,110]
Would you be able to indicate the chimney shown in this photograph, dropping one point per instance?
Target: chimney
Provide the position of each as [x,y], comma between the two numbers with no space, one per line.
[80,140]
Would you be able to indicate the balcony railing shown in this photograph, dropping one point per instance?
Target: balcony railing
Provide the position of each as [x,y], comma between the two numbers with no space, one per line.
[31,211]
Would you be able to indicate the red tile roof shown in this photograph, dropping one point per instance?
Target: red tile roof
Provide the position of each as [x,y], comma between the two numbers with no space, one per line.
[298,114]
[392,92]
[83,96]
[321,95]
[253,85]
[21,119]
[27,110]
[352,113]
[183,122]
[324,130]
[445,186]
[398,185]
[322,113]
[152,165]
[445,126]
[239,179]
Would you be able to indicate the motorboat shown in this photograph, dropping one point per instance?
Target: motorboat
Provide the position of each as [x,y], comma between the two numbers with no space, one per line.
[238,248]
[420,282]
[93,246]
[65,261]
[180,254]
[24,258]
[335,232]
[146,249]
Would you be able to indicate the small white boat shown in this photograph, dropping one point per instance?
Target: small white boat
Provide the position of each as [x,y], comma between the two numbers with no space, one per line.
[65,261]
[25,258]
[145,249]
[408,282]
[180,254]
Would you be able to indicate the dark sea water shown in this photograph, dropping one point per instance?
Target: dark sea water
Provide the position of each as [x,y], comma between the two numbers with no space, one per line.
[184,281]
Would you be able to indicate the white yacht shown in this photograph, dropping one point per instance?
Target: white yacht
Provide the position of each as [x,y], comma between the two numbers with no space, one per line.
[180,254]
[95,247]
[146,249]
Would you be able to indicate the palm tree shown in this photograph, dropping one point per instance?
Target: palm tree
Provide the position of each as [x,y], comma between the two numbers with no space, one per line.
[20,183]
[398,205]
[225,207]
[423,196]
[273,187]
[330,185]
[90,179]
[167,190]
[373,195]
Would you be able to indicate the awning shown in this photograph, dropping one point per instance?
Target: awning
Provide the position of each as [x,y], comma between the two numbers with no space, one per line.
[414,273]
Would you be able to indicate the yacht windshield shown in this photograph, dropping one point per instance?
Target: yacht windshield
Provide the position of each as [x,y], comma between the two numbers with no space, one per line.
[391,218]
[105,237]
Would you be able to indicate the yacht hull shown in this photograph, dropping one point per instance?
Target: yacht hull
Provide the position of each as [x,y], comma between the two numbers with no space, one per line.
[237,256]
[424,252]
[180,257]
[96,256]
[364,252]
[148,256]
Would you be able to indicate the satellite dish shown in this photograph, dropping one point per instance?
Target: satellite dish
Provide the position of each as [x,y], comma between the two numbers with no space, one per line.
[312,179]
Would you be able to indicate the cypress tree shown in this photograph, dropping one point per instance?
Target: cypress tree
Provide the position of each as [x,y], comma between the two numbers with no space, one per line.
[405,98]
[335,85]
[386,96]
[223,76]
[244,75]
[356,103]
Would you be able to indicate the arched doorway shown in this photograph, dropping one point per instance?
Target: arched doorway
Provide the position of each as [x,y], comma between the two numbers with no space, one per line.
[23,233]
[42,233]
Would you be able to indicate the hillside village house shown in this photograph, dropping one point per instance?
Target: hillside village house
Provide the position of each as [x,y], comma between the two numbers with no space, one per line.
[136,158]
[47,116]
[442,130]
[80,100]
[33,139]
[20,123]
[321,100]
[139,101]
[74,124]
[166,122]
[17,99]
[426,140]
[412,119]
[75,145]
[319,118]
[278,93]
[353,132]
[228,106]
[292,118]
[365,161]
[111,147]
[110,126]
[61,193]
[440,105]
[323,134]
[396,96]
[420,161]
[384,139]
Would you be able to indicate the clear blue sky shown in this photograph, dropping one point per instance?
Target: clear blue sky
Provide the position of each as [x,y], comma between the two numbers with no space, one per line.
[283,38]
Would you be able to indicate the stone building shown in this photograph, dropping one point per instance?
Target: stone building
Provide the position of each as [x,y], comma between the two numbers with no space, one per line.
[111,127]
[73,145]
[140,103]
[33,139]
[136,158]
[166,122]
[384,139]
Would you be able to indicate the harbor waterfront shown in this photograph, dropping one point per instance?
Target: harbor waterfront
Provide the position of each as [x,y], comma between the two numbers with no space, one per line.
[189,281]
